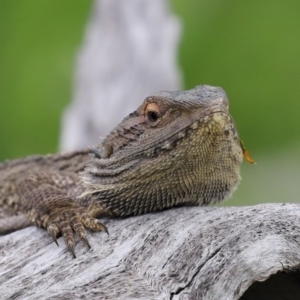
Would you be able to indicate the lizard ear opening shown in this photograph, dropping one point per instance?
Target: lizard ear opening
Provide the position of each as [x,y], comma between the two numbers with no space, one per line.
[96,152]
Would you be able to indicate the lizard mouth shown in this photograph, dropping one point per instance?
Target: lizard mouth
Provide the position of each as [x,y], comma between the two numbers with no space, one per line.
[217,116]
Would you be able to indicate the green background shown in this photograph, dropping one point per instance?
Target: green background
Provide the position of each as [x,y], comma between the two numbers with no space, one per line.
[250,48]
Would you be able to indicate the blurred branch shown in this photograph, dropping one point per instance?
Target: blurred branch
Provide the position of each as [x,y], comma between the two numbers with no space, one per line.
[129,52]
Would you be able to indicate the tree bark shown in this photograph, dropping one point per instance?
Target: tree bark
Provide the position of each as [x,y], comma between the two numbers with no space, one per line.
[183,253]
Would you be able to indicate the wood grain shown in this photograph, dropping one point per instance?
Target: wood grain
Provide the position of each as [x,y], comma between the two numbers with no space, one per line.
[183,253]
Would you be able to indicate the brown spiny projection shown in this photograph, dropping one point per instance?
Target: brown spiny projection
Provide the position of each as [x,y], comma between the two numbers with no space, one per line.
[177,148]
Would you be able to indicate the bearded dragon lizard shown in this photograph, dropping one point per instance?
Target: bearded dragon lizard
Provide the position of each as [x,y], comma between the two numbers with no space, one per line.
[177,148]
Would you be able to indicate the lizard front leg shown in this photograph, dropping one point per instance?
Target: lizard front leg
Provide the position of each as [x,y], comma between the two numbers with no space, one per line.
[48,201]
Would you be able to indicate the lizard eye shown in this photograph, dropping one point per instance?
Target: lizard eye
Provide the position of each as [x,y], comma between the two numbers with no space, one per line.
[152,114]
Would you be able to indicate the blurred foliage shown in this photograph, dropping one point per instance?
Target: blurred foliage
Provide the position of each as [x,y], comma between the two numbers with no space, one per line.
[250,48]
[38,43]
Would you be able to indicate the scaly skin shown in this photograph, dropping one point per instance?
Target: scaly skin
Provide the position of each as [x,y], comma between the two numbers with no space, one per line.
[177,148]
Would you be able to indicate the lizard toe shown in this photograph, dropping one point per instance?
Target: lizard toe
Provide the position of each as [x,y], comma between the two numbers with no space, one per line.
[93,224]
[67,233]
[68,221]
[78,227]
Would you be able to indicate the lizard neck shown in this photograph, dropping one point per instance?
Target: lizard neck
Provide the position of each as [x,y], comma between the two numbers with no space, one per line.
[197,166]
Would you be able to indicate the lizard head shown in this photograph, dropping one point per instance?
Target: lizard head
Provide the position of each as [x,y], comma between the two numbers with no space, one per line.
[177,148]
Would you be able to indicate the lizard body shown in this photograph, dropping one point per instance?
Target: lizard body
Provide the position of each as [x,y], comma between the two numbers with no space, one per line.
[177,148]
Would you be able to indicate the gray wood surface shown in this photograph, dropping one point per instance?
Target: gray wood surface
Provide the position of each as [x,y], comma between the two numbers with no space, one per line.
[182,253]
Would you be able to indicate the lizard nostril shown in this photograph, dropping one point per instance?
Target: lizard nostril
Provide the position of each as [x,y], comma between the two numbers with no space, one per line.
[226,132]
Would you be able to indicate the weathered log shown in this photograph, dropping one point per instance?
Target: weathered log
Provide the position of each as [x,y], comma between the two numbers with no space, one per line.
[184,253]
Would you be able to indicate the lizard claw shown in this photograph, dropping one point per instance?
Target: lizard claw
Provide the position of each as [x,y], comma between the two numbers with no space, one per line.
[53,231]
[71,248]
[86,241]
[68,221]
[104,228]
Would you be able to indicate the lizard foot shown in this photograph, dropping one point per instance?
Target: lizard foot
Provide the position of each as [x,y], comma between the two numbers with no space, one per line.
[66,221]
